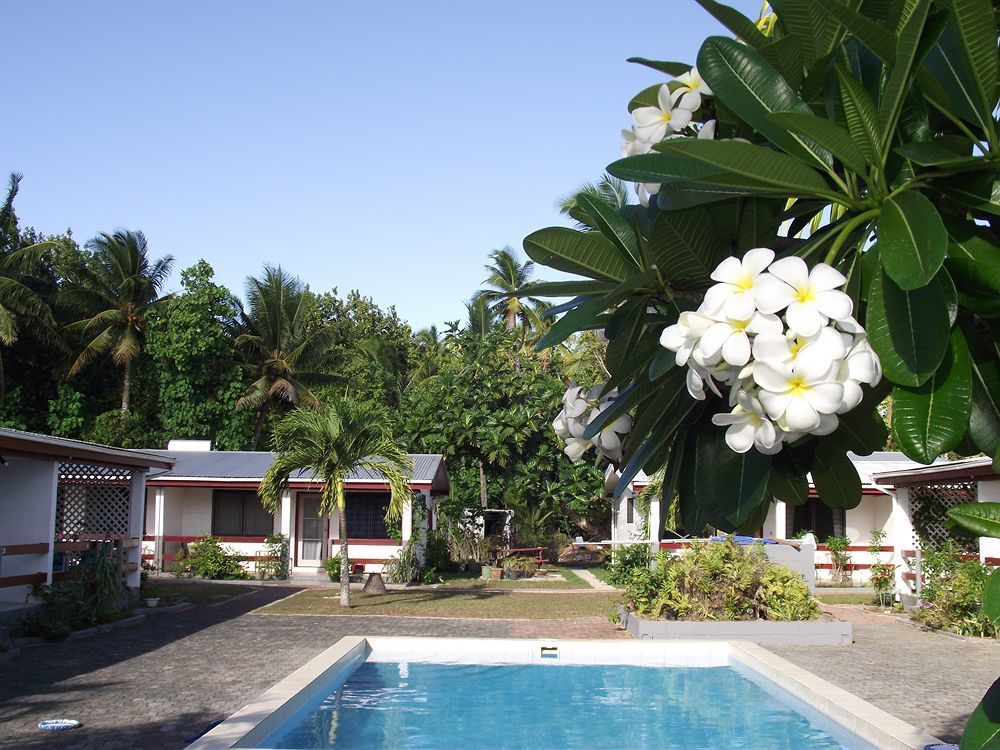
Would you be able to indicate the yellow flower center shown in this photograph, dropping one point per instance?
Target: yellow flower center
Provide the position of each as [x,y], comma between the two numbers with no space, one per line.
[739,325]
[795,346]
[665,116]
[797,386]
[805,294]
[745,282]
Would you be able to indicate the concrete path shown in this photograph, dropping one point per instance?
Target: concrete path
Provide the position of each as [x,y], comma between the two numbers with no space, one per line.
[593,580]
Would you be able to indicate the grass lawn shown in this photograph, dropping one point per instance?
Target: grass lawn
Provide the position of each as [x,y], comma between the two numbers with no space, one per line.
[845,598]
[198,592]
[462,580]
[485,605]
[601,573]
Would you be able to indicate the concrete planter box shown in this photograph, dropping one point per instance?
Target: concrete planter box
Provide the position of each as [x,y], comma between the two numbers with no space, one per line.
[762,632]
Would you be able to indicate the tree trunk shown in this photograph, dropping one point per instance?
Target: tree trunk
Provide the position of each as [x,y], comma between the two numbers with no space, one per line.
[482,484]
[345,565]
[126,384]
[259,427]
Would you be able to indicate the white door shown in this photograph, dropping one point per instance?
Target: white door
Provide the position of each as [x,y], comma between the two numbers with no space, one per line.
[313,531]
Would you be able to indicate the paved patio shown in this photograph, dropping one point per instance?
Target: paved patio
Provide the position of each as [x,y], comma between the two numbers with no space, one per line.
[154,685]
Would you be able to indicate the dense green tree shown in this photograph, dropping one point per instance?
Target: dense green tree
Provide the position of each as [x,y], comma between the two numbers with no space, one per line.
[114,294]
[330,442]
[198,376]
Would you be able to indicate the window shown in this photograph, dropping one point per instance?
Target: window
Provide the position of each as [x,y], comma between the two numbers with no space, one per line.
[239,513]
[630,509]
[366,515]
[814,516]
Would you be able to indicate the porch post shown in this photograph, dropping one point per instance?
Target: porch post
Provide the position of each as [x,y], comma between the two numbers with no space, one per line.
[136,507]
[900,536]
[780,519]
[159,511]
[285,517]
[654,523]
[988,492]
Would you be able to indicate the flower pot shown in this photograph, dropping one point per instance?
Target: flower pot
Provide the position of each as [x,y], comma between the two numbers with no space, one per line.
[496,574]
[151,601]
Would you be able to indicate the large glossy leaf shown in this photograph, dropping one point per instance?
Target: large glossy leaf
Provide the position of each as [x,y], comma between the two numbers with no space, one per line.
[984,419]
[935,154]
[912,239]
[948,83]
[835,478]
[722,163]
[801,19]
[907,48]
[683,246]
[826,133]
[664,66]
[873,35]
[736,22]
[931,419]
[982,732]
[575,320]
[569,288]
[974,263]
[583,253]
[861,116]
[746,82]
[975,26]
[613,226]
[718,485]
[980,519]
[979,191]
[785,56]
[787,487]
[862,430]
[908,330]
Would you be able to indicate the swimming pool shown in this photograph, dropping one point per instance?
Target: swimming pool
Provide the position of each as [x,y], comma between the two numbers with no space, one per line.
[491,693]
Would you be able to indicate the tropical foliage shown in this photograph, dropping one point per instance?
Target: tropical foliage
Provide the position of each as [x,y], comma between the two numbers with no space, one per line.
[859,136]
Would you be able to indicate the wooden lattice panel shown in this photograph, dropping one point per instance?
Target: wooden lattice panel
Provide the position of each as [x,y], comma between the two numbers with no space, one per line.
[92,500]
[929,506]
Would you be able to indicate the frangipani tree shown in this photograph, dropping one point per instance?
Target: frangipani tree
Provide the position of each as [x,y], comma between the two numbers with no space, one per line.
[843,153]
[853,144]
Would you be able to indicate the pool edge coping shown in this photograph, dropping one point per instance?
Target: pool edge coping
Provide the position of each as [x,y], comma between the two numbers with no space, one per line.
[254,721]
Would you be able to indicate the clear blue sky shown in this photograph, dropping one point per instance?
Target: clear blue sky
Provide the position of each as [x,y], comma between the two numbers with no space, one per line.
[382,146]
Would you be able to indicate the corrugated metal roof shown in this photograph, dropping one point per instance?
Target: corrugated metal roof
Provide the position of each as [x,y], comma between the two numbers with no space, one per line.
[68,449]
[254,464]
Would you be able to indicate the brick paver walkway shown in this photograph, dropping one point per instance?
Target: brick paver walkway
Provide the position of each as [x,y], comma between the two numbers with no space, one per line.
[154,685]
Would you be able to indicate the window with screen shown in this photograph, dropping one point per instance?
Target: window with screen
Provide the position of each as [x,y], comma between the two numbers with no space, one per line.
[366,515]
[822,520]
[240,513]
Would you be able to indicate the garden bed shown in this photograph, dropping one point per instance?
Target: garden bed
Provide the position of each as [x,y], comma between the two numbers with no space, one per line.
[762,632]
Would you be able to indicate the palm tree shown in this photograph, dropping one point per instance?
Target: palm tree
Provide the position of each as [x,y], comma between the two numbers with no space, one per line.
[609,189]
[330,442]
[281,345]
[509,288]
[115,292]
[429,351]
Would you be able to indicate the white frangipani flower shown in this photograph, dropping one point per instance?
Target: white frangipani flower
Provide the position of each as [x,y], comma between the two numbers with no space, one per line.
[707,131]
[609,439]
[634,144]
[560,426]
[579,410]
[796,397]
[575,448]
[730,338]
[693,88]
[739,279]
[653,123]
[646,190]
[811,297]
[683,336]
[748,426]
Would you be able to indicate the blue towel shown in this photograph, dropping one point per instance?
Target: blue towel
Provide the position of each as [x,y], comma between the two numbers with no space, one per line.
[743,540]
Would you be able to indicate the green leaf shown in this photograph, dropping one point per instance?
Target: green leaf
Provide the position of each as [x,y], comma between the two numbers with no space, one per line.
[683,246]
[991,597]
[948,83]
[861,430]
[934,154]
[982,732]
[724,163]
[569,288]
[975,25]
[931,419]
[912,239]
[613,226]
[664,66]
[974,263]
[800,19]
[907,46]
[648,97]
[984,419]
[787,487]
[736,22]
[835,478]
[873,35]
[908,330]
[747,83]
[979,519]
[979,191]
[575,320]
[785,56]
[826,133]
[717,485]
[861,116]
[583,253]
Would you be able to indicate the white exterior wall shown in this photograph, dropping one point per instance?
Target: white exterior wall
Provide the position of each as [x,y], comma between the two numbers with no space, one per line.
[27,516]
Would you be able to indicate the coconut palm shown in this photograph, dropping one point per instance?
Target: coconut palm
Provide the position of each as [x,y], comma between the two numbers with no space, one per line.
[430,349]
[508,290]
[330,442]
[115,292]
[281,345]
[609,189]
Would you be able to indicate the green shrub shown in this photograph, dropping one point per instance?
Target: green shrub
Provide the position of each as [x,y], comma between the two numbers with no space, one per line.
[952,597]
[839,558]
[404,567]
[332,566]
[718,581]
[624,559]
[275,562]
[518,567]
[207,558]
[437,556]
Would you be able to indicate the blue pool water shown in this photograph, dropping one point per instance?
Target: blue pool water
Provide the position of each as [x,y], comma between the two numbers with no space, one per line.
[466,707]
